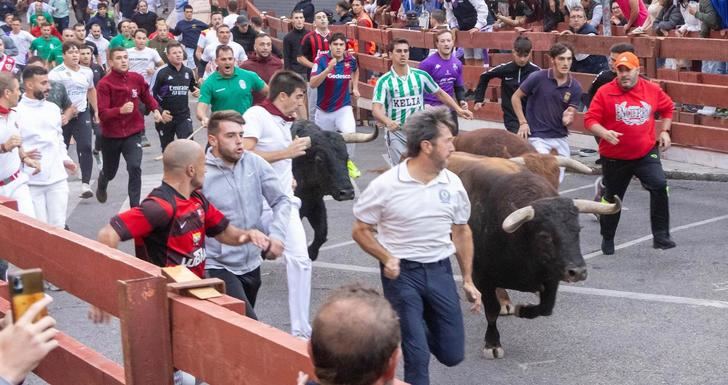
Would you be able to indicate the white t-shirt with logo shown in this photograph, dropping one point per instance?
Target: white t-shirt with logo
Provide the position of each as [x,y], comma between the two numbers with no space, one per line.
[141,60]
[22,40]
[77,83]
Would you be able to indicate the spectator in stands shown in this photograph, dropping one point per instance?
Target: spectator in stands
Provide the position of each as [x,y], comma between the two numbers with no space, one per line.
[552,15]
[594,11]
[306,7]
[312,44]
[25,342]
[471,16]
[512,75]
[635,11]
[710,20]
[652,12]
[438,20]
[343,10]
[355,339]
[412,22]
[692,24]
[584,63]
[103,20]
[144,18]
[292,45]
[262,61]
[515,17]
[257,24]
[617,15]
[553,97]
[363,20]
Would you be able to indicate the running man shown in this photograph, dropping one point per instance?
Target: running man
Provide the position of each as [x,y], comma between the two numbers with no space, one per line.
[331,76]
[400,93]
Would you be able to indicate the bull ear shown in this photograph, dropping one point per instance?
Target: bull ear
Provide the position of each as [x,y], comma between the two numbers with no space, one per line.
[517,218]
[573,165]
[591,207]
[358,137]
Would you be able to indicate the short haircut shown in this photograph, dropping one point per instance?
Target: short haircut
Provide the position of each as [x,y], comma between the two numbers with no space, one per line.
[256,21]
[223,26]
[425,125]
[262,35]
[213,13]
[559,49]
[31,71]
[79,25]
[7,82]
[85,46]
[577,8]
[94,25]
[295,11]
[438,15]
[217,117]
[69,45]
[121,24]
[522,45]
[35,59]
[286,82]
[223,47]
[46,24]
[354,335]
[174,44]
[343,4]
[442,32]
[142,30]
[232,6]
[337,36]
[621,48]
[114,50]
[102,5]
[397,41]
[186,7]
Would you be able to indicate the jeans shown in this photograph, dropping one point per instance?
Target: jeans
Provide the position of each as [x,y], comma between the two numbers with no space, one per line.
[243,287]
[131,148]
[426,300]
[648,169]
[80,128]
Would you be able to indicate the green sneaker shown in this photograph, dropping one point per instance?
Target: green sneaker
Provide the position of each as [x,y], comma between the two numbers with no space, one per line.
[353,170]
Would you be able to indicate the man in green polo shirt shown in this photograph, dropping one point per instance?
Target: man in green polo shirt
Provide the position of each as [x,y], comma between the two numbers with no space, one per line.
[124,38]
[228,88]
[47,47]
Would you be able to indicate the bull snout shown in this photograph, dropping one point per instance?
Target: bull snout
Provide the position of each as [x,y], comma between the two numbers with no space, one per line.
[575,274]
[344,195]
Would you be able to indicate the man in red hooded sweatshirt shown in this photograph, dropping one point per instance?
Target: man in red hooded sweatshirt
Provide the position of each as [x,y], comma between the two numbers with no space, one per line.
[120,94]
[622,114]
[262,62]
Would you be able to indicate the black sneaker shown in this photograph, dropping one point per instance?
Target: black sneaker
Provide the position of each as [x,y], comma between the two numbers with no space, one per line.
[663,243]
[101,191]
[608,246]
[145,141]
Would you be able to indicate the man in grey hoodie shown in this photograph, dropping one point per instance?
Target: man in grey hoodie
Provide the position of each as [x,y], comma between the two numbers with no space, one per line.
[239,183]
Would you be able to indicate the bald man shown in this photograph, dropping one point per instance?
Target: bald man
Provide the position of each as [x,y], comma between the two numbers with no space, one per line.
[355,339]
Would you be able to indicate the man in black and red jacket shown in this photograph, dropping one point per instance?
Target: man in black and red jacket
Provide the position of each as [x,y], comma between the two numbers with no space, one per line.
[120,95]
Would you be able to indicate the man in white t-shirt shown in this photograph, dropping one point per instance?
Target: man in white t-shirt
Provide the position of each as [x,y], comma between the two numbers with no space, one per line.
[412,219]
[22,40]
[207,37]
[142,59]
[102,45]
[224,37]
[79,83]
[268,134]
[232,16]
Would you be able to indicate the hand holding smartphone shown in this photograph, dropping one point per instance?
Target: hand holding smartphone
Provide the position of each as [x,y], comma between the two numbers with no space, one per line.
[26,288]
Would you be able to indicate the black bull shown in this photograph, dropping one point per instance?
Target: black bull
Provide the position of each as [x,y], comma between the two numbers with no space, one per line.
[322,171]
[526,237]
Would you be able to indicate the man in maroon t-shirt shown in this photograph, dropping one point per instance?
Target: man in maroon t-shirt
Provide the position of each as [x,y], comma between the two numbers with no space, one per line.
[170,225]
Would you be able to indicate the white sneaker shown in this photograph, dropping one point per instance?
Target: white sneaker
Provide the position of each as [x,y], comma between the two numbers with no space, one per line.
[86,191]
[707,111]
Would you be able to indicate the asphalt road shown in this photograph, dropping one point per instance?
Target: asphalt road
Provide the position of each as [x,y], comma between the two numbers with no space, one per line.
[643,316]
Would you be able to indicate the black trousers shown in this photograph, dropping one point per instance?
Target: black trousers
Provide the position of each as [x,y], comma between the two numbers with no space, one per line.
[80,129]
[618,173]
[182,127]
[112,150]
[243,287]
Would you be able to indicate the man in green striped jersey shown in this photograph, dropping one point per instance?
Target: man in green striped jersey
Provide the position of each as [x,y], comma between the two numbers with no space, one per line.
[400,93]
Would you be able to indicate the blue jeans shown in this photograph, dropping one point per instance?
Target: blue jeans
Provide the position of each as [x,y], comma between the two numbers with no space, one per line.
[426,300]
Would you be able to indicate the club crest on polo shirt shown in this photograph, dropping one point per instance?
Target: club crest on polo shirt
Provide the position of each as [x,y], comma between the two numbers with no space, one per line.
[567,96]
[633,115]
[444,196]
[242,84]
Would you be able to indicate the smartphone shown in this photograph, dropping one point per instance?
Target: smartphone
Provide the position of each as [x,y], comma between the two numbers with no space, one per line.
[26,288]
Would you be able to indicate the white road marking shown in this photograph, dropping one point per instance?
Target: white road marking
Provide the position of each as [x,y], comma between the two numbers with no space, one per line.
[720,286]
[570,289]
[585,187]
[149,182]
[524,366]
[648,237]
[337,245]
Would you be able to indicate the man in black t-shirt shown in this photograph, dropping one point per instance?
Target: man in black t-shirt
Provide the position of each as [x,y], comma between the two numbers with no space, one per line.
[292,45]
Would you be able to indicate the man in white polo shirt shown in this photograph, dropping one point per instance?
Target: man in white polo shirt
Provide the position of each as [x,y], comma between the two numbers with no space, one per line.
[405,219]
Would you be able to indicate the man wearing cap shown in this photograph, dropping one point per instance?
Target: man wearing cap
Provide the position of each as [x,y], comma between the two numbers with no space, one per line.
[622,114]
[243,34]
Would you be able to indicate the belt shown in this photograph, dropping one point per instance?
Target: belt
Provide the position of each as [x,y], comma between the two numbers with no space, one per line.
[10,178]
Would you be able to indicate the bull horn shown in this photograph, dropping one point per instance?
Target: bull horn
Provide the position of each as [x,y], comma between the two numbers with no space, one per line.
[519,160]
[517,218]
[358,137]
[573,165]
[590,207]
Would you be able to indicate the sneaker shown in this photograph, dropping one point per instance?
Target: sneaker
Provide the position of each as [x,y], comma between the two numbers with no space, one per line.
[101,191]
[98,159]
[663,243]
[145,141]
[706,111]
[353,170]
[86,191]
[608,246]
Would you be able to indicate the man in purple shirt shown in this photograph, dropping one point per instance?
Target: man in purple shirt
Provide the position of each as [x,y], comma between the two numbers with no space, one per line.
[447,71]
[553,97]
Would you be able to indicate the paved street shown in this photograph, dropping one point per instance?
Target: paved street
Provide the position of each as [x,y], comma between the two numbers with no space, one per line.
[642,317]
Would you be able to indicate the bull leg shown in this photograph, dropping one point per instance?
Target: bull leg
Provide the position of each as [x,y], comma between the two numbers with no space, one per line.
[546,305]
[316,214]
[506,306]
[492,347]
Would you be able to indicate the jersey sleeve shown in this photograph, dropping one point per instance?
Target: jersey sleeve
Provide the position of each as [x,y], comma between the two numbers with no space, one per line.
[317,65]
[215,221]
[90,78]
[380,91]
[139,222]
[253,126]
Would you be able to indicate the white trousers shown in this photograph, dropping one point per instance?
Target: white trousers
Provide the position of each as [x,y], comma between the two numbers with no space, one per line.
[545,145]
[341,120]
[19,190]
[51,202]
[298,271]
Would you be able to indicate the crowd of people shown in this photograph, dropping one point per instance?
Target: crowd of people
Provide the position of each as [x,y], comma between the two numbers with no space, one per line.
[221,211]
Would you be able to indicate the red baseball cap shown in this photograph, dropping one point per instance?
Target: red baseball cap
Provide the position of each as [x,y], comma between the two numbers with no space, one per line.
[627,59]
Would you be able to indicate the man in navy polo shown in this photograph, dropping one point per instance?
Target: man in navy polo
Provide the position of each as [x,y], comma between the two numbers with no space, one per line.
[553,97]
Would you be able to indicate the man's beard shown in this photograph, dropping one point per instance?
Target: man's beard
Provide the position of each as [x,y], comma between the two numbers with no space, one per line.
[38,94]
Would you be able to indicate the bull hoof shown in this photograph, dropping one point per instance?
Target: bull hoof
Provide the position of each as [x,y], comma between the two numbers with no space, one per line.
[518,311]
[507,309]
[493,353]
